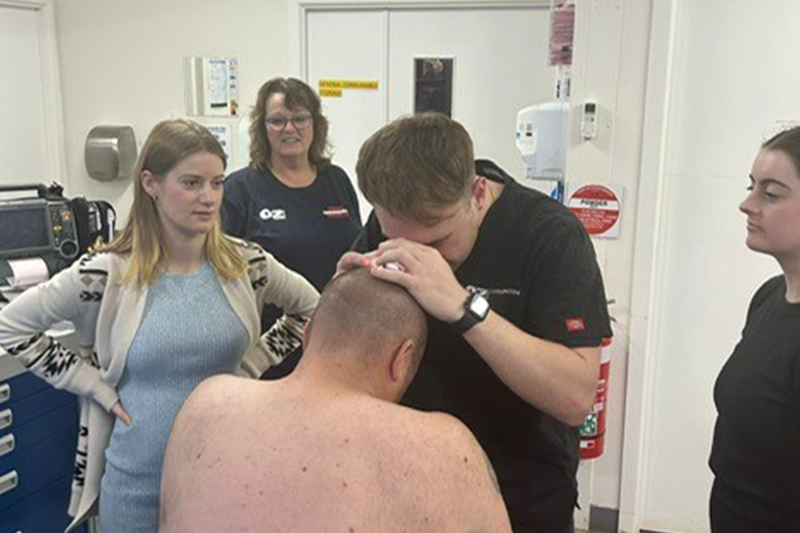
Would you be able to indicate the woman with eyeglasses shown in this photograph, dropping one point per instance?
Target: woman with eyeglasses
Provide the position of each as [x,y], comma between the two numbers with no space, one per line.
[290,199]
[755,456]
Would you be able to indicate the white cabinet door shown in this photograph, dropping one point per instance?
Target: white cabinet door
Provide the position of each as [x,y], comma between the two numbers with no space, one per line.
[23,138]
[349,45]
[500,67]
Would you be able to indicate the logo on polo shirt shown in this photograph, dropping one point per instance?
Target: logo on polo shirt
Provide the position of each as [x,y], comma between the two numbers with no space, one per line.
[575,324]
[272,214]
[336,212]
[489,292]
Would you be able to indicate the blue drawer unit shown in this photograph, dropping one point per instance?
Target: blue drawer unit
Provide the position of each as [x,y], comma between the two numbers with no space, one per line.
[37,466]
[20,411]
[47,516]
[22,436]
[23,385]
[38,434]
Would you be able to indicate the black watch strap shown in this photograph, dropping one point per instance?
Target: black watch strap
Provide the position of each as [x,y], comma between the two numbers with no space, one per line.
[463,324]
[470,317]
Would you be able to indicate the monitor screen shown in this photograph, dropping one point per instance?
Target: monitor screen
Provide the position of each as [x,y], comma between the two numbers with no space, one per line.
[23,228]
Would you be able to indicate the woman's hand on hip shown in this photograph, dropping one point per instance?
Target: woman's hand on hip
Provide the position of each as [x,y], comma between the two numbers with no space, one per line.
[118,411]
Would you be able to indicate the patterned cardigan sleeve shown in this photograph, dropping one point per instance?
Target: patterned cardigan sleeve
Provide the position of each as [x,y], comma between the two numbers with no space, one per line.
[23,326]
[273,283]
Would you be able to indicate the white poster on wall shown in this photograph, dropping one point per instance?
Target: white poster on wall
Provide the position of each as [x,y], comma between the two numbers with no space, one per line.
[222,132]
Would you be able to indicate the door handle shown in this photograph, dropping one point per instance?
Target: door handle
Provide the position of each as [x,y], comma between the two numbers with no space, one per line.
[5,392]
[7,444]
[8,482]
[6,418]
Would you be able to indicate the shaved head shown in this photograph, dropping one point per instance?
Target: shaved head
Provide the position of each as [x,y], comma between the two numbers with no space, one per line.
[358,313]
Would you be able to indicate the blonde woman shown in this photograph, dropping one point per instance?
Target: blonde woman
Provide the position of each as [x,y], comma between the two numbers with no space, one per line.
[169,303]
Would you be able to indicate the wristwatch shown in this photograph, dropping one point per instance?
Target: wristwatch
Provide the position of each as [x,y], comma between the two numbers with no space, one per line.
[475,310]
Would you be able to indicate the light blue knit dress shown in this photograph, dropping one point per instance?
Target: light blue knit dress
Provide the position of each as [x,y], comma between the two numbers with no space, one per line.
[188,332]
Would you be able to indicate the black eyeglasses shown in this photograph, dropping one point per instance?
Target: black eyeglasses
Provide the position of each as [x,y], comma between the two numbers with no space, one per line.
[300,122]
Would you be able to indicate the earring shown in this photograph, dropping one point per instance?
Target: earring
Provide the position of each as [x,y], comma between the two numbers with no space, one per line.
[155,197]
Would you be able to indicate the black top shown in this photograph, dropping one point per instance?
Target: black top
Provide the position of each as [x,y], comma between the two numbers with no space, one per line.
[536,265]
[307,229]
[756,452]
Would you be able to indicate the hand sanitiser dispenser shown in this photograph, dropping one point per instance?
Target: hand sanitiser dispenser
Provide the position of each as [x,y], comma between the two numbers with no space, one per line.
[542,138]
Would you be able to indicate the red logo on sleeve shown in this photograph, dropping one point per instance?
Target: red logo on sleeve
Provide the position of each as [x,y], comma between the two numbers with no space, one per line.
[575,324]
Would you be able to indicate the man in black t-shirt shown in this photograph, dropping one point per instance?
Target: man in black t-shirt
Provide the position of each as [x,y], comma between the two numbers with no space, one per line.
[516,300]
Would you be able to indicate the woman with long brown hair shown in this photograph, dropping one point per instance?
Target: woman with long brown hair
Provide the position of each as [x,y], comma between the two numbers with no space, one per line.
[167,304]
[291,199]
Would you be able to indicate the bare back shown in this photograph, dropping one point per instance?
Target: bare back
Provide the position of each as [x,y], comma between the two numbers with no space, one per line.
[274,457]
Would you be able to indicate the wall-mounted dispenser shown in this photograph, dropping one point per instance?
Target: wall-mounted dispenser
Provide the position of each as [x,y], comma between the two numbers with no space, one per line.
[110,152]
[212,86]
[543,140]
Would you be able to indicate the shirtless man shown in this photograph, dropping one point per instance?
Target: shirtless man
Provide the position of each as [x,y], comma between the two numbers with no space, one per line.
[328,448]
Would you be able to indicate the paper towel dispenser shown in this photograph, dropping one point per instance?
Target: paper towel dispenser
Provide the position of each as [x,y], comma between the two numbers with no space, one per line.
[110,152]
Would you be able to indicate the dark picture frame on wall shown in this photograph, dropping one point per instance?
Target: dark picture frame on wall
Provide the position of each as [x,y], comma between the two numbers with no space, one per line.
[433,85]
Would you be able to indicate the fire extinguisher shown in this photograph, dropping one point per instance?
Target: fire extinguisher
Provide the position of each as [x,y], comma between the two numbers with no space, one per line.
[593,429]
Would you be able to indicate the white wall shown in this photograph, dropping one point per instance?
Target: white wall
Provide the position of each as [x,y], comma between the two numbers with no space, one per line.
[23,139]
[609,65]
[732,83]
[121,63]
[732,80]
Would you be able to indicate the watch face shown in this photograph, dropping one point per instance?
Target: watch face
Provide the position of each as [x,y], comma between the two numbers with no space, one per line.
[479,306]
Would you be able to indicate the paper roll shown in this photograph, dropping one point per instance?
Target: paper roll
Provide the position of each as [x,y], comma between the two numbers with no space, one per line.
[27,272]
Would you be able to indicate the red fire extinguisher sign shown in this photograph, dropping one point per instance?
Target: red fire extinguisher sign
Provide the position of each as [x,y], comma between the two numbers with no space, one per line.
[593,429]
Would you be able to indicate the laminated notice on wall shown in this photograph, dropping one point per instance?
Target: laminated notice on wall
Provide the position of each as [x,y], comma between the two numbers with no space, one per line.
[211,86]
[562,33]
[597,207]
[333,88]
[222,132]
[433,85]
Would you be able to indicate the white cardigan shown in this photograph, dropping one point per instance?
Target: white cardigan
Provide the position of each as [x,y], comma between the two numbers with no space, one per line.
[106,313]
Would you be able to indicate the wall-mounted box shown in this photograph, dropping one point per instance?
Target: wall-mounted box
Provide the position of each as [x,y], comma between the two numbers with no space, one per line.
[211,86]
[110,152]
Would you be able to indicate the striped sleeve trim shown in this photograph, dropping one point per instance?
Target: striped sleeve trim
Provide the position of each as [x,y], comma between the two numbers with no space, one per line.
[24,345]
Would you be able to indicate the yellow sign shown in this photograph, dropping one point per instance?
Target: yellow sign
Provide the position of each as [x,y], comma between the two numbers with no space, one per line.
[370,85]
[330,83]
[330,92]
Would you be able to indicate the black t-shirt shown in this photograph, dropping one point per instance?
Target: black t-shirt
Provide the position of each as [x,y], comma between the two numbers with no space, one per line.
[756,452]
[307,229]
[537,266]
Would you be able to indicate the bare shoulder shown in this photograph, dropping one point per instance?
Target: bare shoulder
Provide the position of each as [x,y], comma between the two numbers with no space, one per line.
[216,391]
[464,475]
[213,398]
[197,424]
[446,432]
[443,440]
[210,404]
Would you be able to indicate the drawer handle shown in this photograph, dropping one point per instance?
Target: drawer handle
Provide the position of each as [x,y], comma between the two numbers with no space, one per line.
[7,444]
[8,482]
[5,392]
[6,418]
